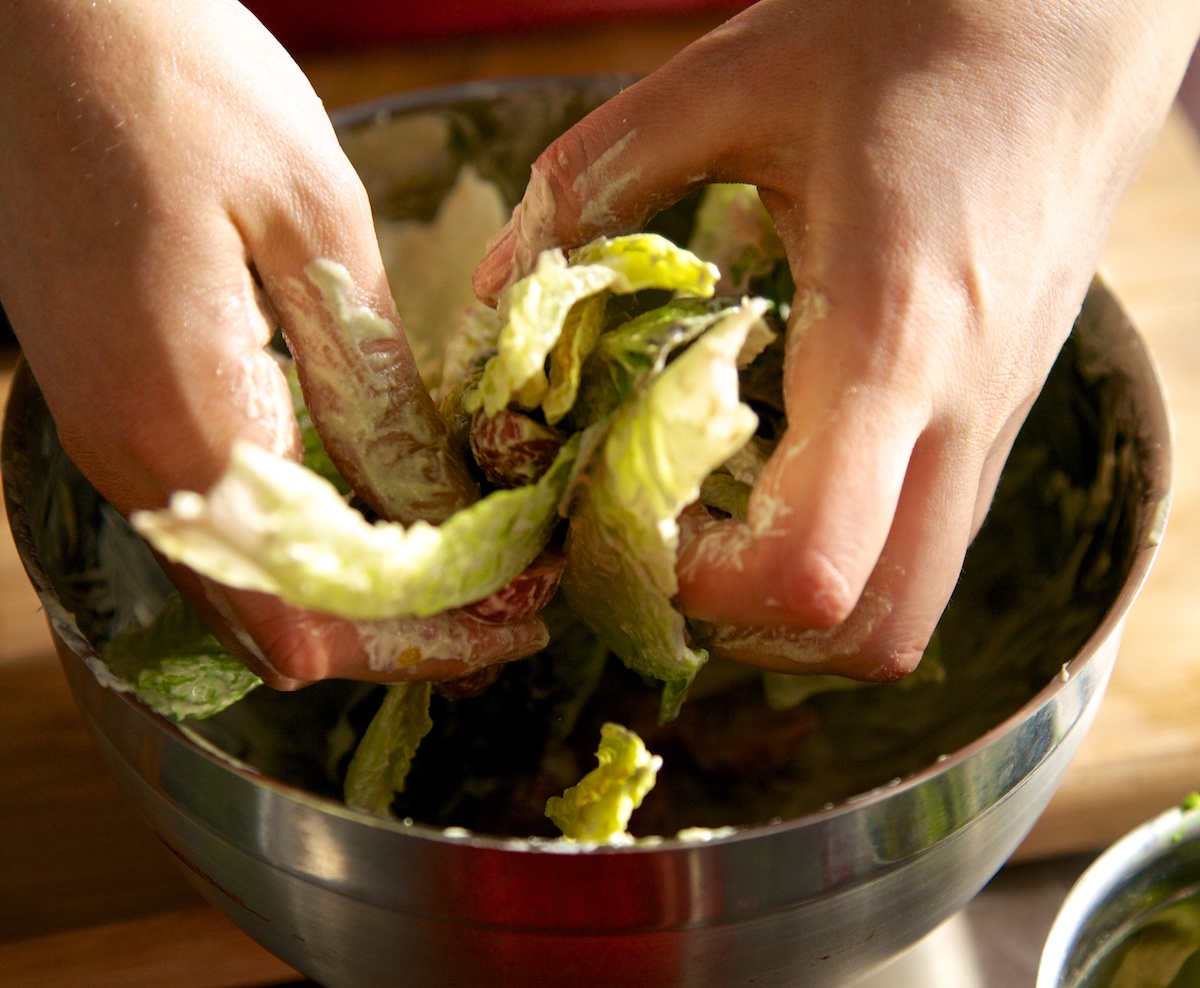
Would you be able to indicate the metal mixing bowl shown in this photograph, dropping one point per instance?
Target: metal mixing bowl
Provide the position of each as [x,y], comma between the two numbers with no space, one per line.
[816,895]
[1152,869]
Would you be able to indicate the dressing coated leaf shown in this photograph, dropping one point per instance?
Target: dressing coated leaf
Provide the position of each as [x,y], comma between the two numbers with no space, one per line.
[271,525]
[597,809]
[623,536]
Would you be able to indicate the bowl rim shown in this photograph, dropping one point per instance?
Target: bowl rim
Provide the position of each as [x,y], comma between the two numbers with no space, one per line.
[1121,861]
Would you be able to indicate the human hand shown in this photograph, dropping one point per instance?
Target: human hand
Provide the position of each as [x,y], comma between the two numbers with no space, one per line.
[943,177]
[166,175]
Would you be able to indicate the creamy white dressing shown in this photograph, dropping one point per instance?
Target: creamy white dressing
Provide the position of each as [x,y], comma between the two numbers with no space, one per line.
[599,185]
[357,322]
[813,646]
[449,636]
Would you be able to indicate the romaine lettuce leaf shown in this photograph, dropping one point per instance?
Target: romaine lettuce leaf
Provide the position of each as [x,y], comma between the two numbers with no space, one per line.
[647,260]
[429,265]
[622,541]
[597,809]
[628,355]
[271,525]
[734,231]
[584,324]
[177,666]
[535,309]
[384,756]
[727,494]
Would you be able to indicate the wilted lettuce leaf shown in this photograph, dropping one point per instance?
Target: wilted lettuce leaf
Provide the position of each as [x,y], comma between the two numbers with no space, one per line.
[584,324]
[621,544]
[177,666]
[384,756]
[272,525]
[598,808]
[646,260]
[727,494]
[429,265]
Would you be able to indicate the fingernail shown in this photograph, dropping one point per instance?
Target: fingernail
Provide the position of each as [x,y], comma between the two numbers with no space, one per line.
[492,274]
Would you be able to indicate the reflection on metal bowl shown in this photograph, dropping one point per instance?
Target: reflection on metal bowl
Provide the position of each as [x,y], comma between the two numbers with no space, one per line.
[813,894]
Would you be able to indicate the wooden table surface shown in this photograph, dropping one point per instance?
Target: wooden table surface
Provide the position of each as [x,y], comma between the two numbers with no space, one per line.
[88,897]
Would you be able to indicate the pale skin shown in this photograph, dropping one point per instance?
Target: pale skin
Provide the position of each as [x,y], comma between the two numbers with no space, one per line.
[943,175]
[154,155]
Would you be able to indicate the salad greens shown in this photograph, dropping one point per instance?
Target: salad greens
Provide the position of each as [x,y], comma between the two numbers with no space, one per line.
[177,665]
[746,747]
[658,396]
[620,350]
[621,546]
[276,526]
[383,758]
[598,808]
[537,307]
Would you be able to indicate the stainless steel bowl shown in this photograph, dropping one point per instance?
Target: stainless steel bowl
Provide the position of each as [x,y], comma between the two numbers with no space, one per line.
[818,896]
[1152,869]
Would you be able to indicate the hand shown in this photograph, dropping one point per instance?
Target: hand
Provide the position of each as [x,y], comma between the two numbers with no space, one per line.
[943,176]
[166,174]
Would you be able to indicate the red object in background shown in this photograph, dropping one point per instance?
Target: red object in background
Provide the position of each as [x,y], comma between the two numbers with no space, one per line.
[305,26]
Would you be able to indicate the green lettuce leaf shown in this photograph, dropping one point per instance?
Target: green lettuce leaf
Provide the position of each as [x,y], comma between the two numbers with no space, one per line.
[384,756]
[537,306]
[274,526]
[581,331]
[177,666]
[734,232]
[727,494]
[622,541]
[597,809]
[627,356]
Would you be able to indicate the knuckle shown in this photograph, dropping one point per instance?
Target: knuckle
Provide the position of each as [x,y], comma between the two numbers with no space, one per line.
[893,663]
[819,592]
[293,645]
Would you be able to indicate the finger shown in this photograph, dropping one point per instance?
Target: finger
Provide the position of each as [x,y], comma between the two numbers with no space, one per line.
[922,560]
[320,266]
[289,647]
[824,506]
[174,368]
[886,634]
[629,159]
[294,646]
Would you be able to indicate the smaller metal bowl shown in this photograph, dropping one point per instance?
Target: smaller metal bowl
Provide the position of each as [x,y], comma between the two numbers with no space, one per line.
[1153,869]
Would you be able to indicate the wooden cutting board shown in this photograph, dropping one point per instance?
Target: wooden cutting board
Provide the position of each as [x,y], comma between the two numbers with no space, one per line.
[89,898]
